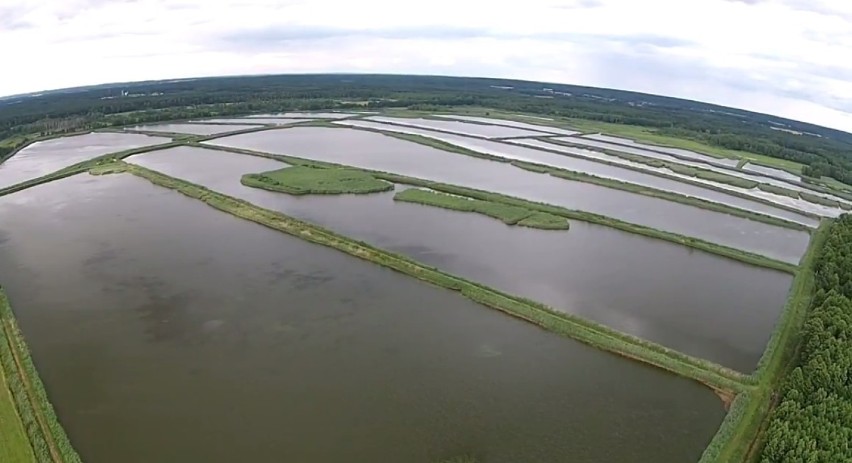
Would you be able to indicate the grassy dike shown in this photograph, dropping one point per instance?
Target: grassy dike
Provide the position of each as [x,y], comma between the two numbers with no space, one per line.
[616,184]
[48,440]
[510,215]
[741,431]
[570,214]
[721,379]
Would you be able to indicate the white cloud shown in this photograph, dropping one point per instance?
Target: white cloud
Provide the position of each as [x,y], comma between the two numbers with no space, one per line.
[786,57]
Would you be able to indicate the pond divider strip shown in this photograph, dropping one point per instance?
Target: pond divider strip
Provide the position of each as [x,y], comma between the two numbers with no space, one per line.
[45,433]
[717,377]
[583,216]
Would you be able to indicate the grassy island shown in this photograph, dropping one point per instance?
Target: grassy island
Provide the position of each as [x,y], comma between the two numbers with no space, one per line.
[509,214]
[304,180]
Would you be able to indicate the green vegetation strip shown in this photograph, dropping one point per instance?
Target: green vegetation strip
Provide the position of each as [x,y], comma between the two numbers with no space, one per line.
[303,180]
[748,413]
[816,199]
[46,436]
[14,443]
[570,214]
[596,335]
[510,215]
[769,188]
[661,194]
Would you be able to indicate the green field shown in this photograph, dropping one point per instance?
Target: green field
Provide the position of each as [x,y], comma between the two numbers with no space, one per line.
[14,444]
[303,180]
[510,215]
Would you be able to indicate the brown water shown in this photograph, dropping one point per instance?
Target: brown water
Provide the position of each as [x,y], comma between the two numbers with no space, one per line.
[45,157]
[376,151]
[165,331]
[702,304]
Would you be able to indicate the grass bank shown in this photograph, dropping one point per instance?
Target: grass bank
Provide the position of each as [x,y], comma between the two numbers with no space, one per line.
[303,180]
[570,214]
[510,215]
[14,444]
[596,335]
[774,189]
[661,194]
[741,431]
[48,440]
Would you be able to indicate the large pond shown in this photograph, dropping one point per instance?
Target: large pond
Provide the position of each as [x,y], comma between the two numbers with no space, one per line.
[463,128]
[531,153]
[508,123]
[702,304]
[166,331]
[376,151]
[45,157]
[193,129]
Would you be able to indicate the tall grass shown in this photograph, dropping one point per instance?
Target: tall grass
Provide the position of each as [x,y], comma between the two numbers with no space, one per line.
[508,214]
[303,180]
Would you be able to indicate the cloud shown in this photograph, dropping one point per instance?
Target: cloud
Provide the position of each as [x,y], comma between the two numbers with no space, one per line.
[780,56]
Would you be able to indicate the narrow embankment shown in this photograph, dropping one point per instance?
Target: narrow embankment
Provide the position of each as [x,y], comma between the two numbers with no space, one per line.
[713,375]
[46,435]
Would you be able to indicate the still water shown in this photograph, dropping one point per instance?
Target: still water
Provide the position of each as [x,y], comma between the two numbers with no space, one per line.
[380,152]
[166,331]
[45,157]
[702,304]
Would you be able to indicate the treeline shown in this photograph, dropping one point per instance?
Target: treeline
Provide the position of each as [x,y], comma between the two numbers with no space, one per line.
[826,153]
[813,421]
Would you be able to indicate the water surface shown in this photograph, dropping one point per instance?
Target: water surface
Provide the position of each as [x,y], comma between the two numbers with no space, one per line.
[45,157]
[193,129]
[702,304]
[380,152]
[508,123]
[166,331]
[255,120]
[463,128]
[759,169]
[665,149]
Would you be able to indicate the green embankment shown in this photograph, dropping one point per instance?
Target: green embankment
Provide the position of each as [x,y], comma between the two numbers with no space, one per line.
[715,376]
[46,436]
[740,432]
[570,214]
[742,164]
[661,194]
[510,215]
[303,180]
[769,188]
[818,200]
[14,444]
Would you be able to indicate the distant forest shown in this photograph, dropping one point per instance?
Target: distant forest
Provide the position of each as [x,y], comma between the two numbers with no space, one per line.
[825,152]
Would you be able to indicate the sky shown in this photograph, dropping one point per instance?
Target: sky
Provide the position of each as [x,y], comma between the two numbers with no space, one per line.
[784,57]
